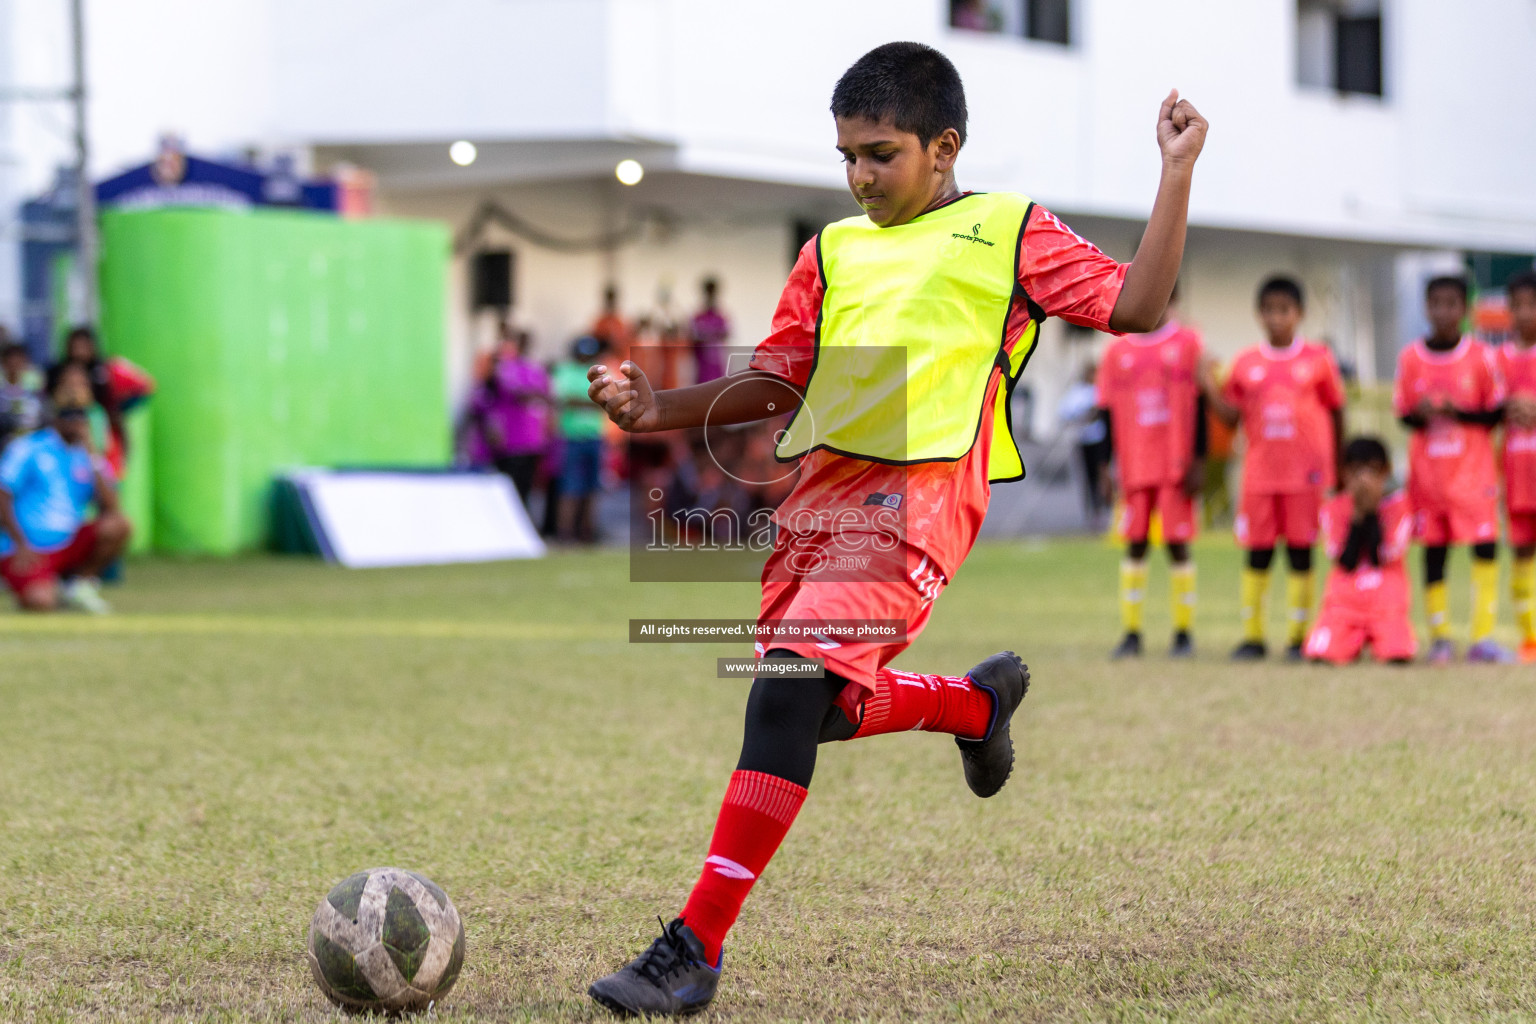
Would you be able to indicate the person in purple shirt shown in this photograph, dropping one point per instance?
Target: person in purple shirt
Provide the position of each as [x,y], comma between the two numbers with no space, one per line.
[508,418]
[710,329]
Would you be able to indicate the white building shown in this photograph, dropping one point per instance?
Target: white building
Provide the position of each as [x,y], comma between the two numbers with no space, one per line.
[725,105]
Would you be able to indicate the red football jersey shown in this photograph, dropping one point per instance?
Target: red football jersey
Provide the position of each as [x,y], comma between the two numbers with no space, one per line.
[943,503]
[1369,588]
[1517,365]
[1287,397]
[1448,458]
[1148,382]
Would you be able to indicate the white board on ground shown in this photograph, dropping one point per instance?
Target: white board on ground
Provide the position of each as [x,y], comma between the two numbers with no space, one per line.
[371,520]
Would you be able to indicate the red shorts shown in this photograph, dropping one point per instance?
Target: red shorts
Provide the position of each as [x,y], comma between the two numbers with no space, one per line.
[1177,508]
[1264,518]
[1522,528]
[50,565]
[1340,634]
[906,593]
[1473,521]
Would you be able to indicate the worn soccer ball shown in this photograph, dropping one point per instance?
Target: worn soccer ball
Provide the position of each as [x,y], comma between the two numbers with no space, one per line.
[386,940]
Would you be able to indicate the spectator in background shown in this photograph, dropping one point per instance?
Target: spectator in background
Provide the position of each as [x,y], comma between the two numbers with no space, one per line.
[581,426]
[21,407]
[116,386]
[612,329]
[82,349]
[516,416]
[1079,409]
[48,480]
[710,329]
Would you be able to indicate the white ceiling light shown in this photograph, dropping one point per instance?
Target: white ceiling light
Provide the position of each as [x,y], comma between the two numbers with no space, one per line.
[463,153]
[629,172]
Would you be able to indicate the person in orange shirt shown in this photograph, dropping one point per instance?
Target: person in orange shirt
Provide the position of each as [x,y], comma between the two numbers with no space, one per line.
[611,328]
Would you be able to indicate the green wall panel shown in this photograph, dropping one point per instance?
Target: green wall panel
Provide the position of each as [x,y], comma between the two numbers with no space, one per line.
[277,339]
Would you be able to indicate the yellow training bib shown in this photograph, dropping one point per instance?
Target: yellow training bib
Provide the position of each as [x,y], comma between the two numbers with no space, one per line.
[912,326]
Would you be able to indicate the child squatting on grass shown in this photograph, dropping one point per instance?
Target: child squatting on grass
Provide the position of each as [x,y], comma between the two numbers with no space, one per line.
[936,295]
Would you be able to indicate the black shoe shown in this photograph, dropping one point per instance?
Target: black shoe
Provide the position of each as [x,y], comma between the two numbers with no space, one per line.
[1129,647]
[1294,654]
[989,761]
[1183,645]
[671,978]
[1250,650]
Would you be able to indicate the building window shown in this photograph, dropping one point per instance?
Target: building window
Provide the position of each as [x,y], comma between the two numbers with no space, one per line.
[1339,45]
[1049,21]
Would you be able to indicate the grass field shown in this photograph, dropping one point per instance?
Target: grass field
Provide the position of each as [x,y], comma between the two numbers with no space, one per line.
[185,780]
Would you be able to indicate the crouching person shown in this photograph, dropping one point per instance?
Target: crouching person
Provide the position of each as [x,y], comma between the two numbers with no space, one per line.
[50,554]
[1367,531]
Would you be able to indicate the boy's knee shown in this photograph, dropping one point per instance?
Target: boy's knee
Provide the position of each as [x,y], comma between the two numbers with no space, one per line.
[1178,552]
[1136,550]
[1485,552]
[1300,558]
[1259,559]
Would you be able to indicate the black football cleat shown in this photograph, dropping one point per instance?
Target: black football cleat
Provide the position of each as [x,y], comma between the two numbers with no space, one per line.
[1250,650]
[989,761]
[1183,645]
[669,979]
[1129,647]
[1295,655]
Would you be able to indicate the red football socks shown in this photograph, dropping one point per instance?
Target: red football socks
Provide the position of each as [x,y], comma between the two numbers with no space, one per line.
[754,818]
[907,701]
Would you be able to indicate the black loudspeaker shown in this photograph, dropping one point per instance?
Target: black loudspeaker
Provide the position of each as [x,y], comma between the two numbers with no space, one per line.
[491,277]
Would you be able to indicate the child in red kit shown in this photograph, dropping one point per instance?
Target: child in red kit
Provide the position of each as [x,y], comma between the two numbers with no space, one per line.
[1367,532]
[1517,361]
[1289,397]
[1450,394]
[1149,384]
[897,342]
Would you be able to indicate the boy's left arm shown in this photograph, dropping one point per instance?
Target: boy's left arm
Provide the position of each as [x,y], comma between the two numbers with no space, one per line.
[1150,278]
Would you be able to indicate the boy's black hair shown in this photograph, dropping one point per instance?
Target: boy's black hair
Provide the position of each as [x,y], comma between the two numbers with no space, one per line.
[1366,451]
[1523,281]
[1280,284]
[13,348]
[913,85]
[1455,281]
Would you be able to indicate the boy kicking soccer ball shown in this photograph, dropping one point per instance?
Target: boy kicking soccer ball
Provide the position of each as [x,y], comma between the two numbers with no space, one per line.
[1367,532]
[898,339]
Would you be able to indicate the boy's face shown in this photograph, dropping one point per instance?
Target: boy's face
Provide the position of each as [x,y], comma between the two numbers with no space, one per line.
[13,367]
[1280,316]
[1446,310]
[1366,483]
[892,175]
[1522,310]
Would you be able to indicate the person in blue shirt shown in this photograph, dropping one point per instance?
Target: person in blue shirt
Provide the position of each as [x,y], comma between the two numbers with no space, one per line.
[49,480]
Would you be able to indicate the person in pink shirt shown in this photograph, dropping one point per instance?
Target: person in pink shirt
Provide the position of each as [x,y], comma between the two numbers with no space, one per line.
[709,330]
[1288,395]
[1367,532]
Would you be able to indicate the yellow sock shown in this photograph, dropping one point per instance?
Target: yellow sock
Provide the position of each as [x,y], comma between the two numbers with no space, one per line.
[1298,604]
[1437,606]
[1133,593]
[1485,597]
[1522,588]
[1255,583]
[1181,584]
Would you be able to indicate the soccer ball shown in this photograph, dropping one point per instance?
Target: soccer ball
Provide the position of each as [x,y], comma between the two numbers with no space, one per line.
[386,939]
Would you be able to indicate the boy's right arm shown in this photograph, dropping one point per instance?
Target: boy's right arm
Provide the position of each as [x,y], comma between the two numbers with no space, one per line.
[628,399]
